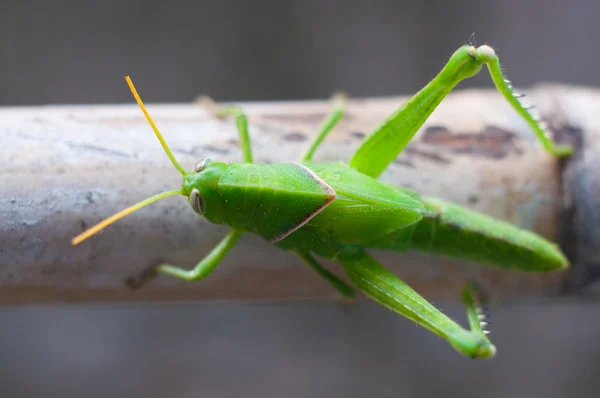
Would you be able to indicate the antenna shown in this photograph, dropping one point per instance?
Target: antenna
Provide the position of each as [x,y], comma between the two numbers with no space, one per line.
[156,131]
[115,217]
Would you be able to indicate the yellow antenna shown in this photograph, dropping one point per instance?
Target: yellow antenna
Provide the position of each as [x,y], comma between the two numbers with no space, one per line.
[115,217]
[156,131]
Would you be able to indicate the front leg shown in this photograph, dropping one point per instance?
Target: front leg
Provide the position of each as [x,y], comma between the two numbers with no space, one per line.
[392,136]
[200,271]
[208,263]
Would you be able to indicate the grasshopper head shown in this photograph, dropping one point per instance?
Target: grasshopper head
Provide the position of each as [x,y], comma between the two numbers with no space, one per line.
[200,186]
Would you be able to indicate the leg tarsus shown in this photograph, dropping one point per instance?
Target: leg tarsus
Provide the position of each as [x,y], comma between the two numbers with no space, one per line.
[188,275]
[140,280]
[330,121]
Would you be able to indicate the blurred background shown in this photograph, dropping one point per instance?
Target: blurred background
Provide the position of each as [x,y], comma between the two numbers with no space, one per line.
[77,52]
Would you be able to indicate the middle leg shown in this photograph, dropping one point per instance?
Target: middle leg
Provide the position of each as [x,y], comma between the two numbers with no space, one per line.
[241,122]
[327,125]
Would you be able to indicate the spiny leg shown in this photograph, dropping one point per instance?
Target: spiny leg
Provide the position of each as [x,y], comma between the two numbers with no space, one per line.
[339,102]
[505,87]
[477,315]
[384,287]
[339,285]
[241,122]
[391,137]
[208,263]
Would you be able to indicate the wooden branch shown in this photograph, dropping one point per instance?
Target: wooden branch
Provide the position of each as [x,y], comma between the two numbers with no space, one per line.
[64,168]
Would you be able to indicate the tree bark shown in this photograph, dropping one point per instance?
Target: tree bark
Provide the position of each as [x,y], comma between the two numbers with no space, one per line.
[64,168]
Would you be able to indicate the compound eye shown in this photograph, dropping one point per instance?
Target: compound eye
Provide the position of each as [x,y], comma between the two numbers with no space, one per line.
[196,201]
[201,164]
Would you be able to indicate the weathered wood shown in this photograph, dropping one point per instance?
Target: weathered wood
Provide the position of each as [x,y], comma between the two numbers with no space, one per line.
[66,167]
[580,111]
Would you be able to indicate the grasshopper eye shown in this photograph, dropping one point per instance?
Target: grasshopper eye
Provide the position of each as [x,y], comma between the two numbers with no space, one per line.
[196,201]
[201,164]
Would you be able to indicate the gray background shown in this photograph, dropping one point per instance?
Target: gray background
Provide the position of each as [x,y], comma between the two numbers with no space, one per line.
[78,51]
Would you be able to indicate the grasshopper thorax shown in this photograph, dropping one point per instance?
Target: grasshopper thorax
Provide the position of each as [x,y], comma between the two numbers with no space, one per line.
[201,187]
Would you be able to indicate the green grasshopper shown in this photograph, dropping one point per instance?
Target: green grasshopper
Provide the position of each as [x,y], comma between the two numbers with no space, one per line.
[338,210]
